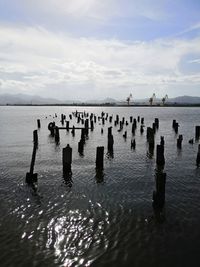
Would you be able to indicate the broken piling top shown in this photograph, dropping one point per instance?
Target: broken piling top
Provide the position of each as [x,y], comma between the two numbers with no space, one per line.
[99,157]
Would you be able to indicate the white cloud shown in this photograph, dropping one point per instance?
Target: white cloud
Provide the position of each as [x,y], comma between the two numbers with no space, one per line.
[37,61]
[97,9]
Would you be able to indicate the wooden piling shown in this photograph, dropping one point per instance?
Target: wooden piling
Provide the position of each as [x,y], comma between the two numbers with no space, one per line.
[160,159]
[35,137]
[92,125]
[67,159]
[179,141]
[38,124]
[133,144]
[197,132]
[67,126]
[100,157]
[57,135]
[198,157]
[31,177]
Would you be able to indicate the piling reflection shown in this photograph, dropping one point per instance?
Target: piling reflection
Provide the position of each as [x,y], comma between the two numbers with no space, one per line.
[159,194]
[99,176]
[68,178]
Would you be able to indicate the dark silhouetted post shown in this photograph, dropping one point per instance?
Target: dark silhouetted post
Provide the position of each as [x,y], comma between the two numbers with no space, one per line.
[198,157]
[197,132]
[99,157]
[67,159]
[30,176]
[38,124]
[35,137]
[160,158]
[57,135]
[179,141]
[133,144]
[92,125]
[67,126]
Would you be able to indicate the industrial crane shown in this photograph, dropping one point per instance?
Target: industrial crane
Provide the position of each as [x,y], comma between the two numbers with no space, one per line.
[151,99]
[164,99]
[129,99]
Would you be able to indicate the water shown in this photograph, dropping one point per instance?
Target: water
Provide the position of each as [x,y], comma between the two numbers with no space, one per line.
[98,221]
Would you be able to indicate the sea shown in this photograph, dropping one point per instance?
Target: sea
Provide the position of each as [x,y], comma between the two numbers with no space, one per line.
[94,219]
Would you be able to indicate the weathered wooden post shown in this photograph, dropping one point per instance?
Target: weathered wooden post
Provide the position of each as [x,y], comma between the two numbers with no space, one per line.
[110,142]
[95,119]
[62,119]
[142,120]
[135,123]
[101,130]
[176,127]
[83,135]
[125,135]
[67,126]
[157,122]
[198,156]
[133,144]
[197,132]
[103,120]
[109,131]
[38,124]
[150,138]
[35,137]
[179,141]
[73,131]
[138,118]
[173,123]
[110,139]
[70,116]
[160,158]
[67,159]
[57,135]
[141,129]
[133,129]
[131,119]
[30,176]
[99,157]
[51,128]
[110,119]
[92,125]
[81,146]
[117,119]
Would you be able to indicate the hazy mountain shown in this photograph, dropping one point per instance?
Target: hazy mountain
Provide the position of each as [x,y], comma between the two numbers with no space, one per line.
[34,99]
[29,99]
[185,100]
[101,101]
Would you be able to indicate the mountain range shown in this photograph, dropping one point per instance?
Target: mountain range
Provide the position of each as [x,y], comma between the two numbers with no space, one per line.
[24,99]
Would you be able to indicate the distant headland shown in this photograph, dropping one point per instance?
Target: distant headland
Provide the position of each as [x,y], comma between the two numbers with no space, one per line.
[34,100]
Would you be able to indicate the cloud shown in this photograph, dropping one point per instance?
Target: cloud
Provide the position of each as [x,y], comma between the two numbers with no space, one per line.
[38,61]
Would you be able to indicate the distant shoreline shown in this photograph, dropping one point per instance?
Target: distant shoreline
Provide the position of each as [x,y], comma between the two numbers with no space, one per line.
[102,105]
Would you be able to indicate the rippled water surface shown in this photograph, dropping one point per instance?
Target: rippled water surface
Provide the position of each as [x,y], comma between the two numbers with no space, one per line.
[97,220]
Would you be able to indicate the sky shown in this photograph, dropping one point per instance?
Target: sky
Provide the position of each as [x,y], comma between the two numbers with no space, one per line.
[94,49]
